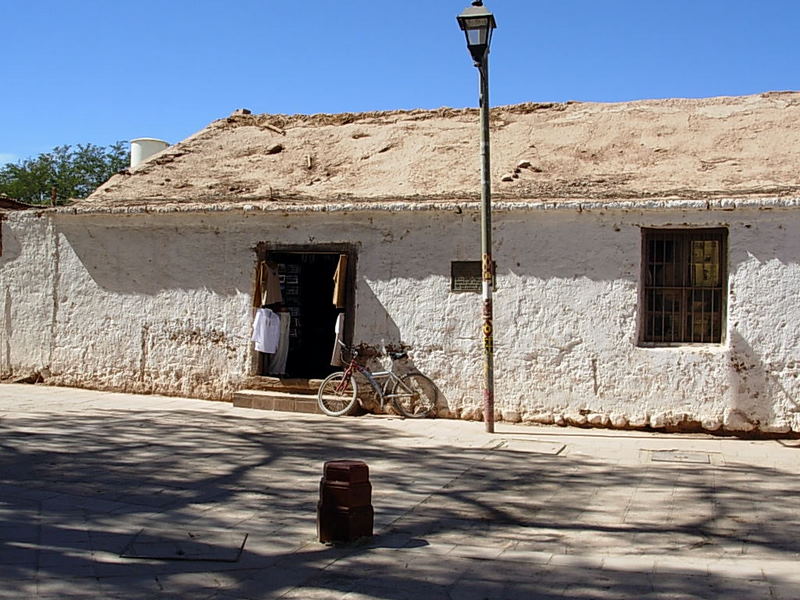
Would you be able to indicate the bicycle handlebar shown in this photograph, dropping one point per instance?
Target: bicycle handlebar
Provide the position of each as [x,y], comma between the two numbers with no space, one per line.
[351,351]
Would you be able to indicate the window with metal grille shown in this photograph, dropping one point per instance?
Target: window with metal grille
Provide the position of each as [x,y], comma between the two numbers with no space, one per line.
[685,285]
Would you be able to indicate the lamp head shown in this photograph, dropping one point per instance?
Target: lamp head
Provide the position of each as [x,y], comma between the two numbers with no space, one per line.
[477,23]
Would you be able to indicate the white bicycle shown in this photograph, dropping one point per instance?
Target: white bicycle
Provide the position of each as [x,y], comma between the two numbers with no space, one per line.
[412,394]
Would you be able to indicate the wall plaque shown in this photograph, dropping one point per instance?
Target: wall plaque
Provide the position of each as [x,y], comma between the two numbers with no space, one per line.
[466,276]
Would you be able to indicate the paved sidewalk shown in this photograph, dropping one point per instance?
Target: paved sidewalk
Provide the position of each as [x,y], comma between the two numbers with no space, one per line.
[530,512]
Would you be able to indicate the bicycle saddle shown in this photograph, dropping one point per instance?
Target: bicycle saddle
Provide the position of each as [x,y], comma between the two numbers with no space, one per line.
[398,355]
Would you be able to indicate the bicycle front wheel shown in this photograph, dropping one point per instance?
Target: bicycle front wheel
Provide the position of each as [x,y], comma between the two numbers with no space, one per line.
[415,396]
[337,395]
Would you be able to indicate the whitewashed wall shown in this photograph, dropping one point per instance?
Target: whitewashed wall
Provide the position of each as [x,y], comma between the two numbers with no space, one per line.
[28,266]
[160,303]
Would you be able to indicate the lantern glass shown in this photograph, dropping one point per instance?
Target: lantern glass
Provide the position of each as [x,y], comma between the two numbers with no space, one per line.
[477,32]
[477,24]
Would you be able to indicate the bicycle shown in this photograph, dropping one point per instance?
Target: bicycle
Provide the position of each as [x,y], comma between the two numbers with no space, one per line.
[412,394]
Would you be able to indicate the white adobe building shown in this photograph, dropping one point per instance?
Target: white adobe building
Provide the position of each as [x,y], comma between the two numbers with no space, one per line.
[647,260]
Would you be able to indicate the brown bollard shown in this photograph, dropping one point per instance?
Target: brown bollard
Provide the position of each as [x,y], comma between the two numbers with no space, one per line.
[344,511]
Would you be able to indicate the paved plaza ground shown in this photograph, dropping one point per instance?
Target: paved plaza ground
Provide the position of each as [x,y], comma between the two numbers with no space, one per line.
[526,513]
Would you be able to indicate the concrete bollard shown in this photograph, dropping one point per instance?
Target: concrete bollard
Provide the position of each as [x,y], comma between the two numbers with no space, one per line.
[344,511]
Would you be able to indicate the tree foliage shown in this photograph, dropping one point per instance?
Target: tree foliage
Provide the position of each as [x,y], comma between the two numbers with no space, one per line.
[73,171]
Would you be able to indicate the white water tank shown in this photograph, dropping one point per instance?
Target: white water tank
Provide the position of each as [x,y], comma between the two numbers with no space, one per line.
[144,148]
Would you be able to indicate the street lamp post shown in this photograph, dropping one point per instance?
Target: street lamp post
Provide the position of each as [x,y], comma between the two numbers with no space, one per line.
[478,23]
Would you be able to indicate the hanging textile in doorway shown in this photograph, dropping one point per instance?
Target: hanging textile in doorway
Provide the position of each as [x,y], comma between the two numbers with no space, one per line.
[276,365]
[336,357]
[266,331]
[268,285]
[340,282]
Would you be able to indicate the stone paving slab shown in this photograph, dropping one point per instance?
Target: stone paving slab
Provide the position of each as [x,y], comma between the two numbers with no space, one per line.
[529,512]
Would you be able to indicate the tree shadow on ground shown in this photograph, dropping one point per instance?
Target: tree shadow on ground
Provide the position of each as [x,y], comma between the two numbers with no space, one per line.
[74,489]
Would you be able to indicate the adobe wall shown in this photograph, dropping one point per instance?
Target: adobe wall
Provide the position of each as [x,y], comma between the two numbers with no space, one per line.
[161,303]
[28,266]
[566,320]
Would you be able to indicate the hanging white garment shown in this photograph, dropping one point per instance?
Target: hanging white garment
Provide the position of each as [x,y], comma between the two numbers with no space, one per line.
[338,329]
[277,362]
[266,331]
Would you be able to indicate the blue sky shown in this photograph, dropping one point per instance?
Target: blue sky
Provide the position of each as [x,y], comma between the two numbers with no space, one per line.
[100,70]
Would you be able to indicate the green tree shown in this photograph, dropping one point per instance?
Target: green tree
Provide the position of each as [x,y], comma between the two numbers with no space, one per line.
[74,172]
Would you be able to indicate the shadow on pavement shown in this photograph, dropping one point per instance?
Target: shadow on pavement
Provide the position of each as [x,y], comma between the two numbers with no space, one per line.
[462,523]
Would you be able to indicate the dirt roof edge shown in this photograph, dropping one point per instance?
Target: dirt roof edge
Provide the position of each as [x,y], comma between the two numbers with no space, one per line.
[731,203]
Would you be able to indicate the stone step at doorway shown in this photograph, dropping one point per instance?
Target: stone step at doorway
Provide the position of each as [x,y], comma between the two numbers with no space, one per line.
[283,384]
[276,400]
[279,393]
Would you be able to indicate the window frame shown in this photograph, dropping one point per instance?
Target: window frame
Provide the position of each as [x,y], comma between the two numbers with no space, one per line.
[686,294]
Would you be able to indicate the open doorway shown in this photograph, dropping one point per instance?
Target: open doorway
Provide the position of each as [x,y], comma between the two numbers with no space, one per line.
[316,287]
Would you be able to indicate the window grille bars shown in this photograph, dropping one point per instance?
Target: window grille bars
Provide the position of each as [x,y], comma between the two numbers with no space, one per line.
[685,284]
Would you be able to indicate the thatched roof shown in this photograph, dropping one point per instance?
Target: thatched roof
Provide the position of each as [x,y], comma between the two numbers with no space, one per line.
[686,149]
[7,203]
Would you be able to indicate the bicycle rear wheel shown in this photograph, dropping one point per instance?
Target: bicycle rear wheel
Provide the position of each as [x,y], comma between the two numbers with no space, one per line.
[337,395]
[415,396]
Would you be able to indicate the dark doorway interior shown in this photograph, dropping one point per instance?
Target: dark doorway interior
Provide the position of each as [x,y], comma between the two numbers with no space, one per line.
[307,287]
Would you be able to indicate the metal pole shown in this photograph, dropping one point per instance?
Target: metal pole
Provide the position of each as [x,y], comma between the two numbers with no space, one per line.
[486,250]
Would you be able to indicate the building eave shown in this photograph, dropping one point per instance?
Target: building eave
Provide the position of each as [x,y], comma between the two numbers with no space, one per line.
[451,205]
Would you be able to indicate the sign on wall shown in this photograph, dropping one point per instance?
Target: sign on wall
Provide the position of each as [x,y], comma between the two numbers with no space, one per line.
[466,276]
